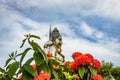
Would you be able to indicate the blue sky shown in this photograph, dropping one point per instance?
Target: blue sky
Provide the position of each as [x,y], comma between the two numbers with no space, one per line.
[88,26]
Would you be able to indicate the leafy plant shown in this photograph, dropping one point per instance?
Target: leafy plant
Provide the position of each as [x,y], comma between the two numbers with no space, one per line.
[108,71]
[44,66]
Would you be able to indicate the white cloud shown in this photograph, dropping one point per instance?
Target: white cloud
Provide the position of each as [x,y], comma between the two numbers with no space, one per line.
[105,8]
[86,29]
[90,31]
[108,8]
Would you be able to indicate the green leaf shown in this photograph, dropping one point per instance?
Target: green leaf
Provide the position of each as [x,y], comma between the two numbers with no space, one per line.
[93,71]
[18,55]
[30,69]
[12,69]
[23,54]
[81,71]
[1,76]
[12,54]
[37,48]
[54,73]
[34,36]
[68,76]
[46,68]
[7,61]
[43,54]
[54,61]
[29,60]
[23,42]
[38,58]
[26,76]
[2,70]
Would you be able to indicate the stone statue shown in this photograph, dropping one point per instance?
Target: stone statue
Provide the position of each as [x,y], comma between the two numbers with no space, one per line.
[55,41]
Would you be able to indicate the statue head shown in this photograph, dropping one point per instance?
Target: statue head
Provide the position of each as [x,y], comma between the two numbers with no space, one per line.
[55,35]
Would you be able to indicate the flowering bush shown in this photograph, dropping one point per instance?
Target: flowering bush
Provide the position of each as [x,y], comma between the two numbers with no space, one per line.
[47,67]
[85,65]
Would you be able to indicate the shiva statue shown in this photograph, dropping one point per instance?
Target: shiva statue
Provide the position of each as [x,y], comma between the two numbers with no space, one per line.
[54,44]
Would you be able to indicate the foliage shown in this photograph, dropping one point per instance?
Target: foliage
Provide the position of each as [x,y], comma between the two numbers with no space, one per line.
[116,73]
[46,66]
[108,71]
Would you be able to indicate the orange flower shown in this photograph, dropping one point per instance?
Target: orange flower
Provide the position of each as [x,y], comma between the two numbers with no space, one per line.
[67,63]
[98,77]
[42,76]
[83,60]
[49,54]
[56,67]
[74,66]
[96,64]
[89,55]
[76,54]
[34,66]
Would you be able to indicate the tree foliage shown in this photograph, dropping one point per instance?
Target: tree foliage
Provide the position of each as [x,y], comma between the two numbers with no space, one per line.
[108,71]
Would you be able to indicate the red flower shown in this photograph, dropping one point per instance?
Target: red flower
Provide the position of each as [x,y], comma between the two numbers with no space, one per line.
[49,54]
[74,66]
[89,56]
[98,77]
[80,59]
[76,54]
[83,60]
[42,76]
[96,64]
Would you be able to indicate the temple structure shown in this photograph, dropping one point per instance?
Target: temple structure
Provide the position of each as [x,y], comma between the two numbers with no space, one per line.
[54,44]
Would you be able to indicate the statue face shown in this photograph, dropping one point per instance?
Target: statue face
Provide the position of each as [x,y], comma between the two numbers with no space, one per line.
[55,34]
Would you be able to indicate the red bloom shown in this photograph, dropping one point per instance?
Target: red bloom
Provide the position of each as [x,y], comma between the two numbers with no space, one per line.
[76,54]
[49,54]
[83,60]
[74,66]
[98,77]
[42,76]
[96,64]
[89,56]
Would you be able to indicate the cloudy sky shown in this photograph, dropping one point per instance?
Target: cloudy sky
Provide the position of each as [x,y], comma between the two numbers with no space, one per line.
[88,26]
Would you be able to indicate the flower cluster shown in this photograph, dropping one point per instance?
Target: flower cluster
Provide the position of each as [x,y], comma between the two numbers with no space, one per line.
[86,66]
[42,76]
[83,60]
[97,77]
